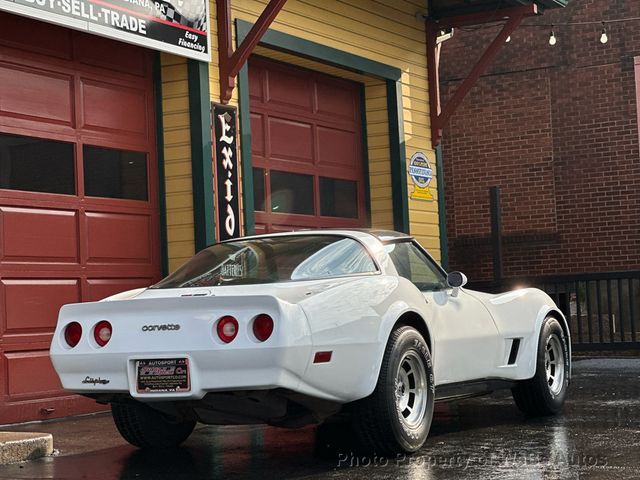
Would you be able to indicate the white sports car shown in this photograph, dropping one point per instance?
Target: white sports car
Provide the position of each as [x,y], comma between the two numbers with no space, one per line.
[296,328]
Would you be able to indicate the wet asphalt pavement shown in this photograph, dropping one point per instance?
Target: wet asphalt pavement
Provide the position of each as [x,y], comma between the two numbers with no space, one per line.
[596,437]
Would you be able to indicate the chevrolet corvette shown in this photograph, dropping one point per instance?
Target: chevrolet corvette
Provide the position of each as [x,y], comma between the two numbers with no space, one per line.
[292,329]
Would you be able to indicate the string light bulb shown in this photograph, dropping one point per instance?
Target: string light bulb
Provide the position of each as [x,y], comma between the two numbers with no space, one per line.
[552,38]
[508,39]
[604,38]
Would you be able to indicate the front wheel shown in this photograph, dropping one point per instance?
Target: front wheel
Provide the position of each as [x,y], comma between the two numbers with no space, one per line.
[545,393]
[397,416]
[145,427]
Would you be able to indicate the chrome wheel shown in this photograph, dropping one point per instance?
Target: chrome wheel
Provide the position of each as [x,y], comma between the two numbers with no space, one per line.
[545,392]
[396,417]
[411,390]
[554,364]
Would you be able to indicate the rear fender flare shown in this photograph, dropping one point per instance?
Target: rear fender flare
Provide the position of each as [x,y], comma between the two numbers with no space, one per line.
[390,320]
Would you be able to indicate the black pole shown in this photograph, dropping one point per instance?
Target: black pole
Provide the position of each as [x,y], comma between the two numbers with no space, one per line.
[496,234]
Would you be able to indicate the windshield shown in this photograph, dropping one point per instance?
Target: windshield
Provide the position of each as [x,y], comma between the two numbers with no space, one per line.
[272,259]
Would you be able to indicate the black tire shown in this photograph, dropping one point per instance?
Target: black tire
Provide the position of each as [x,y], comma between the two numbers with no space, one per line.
[541,395]
[145,427]
[378,422]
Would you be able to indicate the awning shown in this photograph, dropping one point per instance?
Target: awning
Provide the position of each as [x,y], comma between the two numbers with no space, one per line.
[447,8]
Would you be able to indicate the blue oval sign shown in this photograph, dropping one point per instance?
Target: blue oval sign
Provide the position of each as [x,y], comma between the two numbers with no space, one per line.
[420,170]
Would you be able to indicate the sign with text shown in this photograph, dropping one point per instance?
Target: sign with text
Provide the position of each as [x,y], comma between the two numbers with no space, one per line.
[421,174]
[226,168]
[177,26]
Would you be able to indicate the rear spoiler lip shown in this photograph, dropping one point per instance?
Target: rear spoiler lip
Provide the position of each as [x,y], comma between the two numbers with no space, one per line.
[156,303]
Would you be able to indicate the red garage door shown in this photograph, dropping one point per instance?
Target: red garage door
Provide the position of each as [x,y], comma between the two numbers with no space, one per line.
[306,149]
[78,199]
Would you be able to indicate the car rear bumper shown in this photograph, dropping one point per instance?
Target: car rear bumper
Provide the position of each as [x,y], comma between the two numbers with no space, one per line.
[209,371]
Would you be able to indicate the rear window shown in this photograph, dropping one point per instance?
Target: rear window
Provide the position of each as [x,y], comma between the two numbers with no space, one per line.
[272,259]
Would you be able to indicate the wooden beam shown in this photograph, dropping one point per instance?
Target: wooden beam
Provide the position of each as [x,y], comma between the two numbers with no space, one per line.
[440,116]
[433,77]
[231,62]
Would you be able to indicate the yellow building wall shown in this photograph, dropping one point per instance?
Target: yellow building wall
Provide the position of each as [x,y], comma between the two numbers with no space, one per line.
[386,31]
[177,160]
[378,144]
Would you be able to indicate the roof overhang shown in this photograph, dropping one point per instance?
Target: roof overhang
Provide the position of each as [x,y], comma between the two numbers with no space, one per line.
[448,8]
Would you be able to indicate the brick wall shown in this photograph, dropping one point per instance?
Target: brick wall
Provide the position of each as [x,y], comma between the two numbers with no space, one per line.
[555,127]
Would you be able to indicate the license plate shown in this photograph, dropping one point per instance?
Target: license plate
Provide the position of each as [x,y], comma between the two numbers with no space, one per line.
[163,375]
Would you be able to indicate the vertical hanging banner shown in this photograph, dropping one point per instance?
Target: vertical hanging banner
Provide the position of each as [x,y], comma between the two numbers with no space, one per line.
[226,170]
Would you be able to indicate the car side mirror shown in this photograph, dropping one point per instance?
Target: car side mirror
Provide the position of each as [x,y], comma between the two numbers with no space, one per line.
[456,280]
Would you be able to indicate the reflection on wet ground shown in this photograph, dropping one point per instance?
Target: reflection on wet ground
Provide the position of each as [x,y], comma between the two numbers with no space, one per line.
[597,437]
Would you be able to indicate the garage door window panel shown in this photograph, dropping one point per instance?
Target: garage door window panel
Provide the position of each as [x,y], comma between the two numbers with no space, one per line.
[113,173]
[36,165]
[291,193]
[258,189]
[338,198]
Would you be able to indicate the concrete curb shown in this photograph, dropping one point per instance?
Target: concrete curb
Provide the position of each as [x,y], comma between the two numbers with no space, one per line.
[22,446]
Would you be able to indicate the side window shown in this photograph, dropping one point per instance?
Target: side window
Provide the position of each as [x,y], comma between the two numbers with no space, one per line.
[415,266]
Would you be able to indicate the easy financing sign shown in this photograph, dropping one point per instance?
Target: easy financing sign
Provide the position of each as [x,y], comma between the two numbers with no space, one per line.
[177,26]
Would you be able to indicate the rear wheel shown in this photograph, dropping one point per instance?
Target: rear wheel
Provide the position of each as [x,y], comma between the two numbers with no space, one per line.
[396,417]
[145,427]
[545,393]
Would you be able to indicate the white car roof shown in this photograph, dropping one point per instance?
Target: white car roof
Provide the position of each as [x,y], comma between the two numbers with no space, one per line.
[372,239]
[369,237]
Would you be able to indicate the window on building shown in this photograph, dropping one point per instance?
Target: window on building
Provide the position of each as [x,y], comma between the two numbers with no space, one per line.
[291,193]
[258,189]
[115,173]
[36,165]
[338,198]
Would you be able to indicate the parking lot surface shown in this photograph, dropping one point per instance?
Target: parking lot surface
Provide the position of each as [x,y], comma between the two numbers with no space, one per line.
[596,437]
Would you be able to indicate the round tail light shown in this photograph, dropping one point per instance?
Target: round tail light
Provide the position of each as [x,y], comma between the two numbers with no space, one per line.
[73,334]
[227,328]
[102,332]
[263,327]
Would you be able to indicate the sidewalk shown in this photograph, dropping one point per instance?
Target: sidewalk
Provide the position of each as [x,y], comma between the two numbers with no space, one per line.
[22,446]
